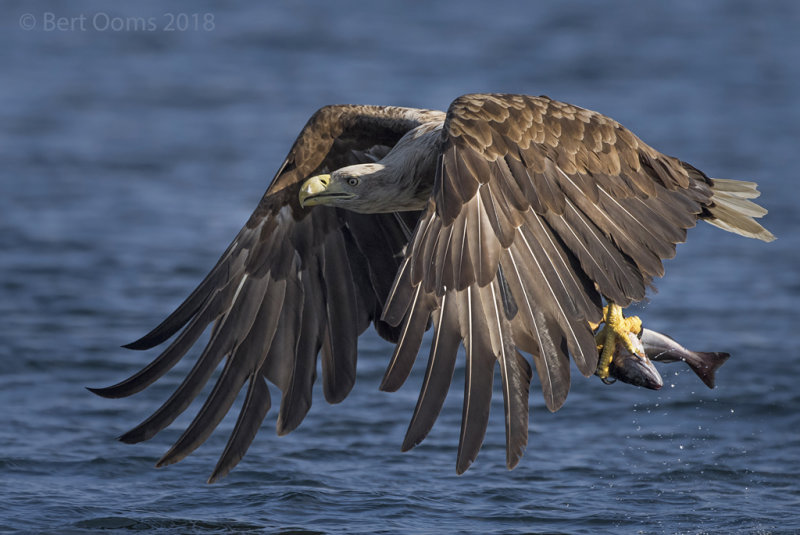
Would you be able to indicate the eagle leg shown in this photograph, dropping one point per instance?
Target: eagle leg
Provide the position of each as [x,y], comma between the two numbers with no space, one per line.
[616,329]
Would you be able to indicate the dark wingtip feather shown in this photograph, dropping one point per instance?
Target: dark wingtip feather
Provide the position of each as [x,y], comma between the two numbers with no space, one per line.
[462,467]
[102,392]
[181,315]
[516,388]
[164,330]
[120,390]
[405,352]
[134,436]
[165,461]
[141,344]
[409,443]
[438,374]
[255,408]
[478,379]
[112,392]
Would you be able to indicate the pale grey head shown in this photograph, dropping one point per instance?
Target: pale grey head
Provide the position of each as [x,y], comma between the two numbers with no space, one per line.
[401,181]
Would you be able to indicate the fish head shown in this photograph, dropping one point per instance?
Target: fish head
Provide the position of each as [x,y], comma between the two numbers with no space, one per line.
[634,367]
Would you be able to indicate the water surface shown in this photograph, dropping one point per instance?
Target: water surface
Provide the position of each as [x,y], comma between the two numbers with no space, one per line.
[132,157]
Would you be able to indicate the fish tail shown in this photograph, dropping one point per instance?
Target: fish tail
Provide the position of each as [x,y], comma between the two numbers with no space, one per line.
[706,364]
[731,208]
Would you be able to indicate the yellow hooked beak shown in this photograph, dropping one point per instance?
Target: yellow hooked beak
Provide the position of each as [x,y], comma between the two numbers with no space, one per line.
[320,190]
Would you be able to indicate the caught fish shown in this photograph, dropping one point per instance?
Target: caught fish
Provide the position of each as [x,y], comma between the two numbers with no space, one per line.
[637,369]
[661,348]
[634,368]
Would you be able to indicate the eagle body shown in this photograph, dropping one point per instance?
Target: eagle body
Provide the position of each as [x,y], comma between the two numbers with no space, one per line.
[502,224]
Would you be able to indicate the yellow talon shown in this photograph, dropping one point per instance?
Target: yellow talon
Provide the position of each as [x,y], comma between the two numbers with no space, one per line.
[616,328]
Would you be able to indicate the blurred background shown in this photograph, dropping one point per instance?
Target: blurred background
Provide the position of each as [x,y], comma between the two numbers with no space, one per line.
[137,138]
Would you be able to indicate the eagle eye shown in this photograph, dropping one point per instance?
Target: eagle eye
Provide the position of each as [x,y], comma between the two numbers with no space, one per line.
[353,181]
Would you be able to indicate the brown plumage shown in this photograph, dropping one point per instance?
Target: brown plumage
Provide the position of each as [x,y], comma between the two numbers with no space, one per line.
[503,223]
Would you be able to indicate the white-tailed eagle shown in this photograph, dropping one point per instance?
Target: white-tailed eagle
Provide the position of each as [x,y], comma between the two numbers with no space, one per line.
[504,222]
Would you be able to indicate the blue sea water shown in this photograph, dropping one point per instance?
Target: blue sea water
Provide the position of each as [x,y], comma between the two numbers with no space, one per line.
[136,138]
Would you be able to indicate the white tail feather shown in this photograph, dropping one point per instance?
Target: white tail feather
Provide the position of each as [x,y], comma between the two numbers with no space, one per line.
[732,211]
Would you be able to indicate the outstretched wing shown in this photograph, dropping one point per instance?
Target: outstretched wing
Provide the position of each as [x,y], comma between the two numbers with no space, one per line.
[539,209]
[293,283]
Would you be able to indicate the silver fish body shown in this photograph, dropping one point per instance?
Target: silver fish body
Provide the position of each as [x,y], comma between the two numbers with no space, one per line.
[661,348]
